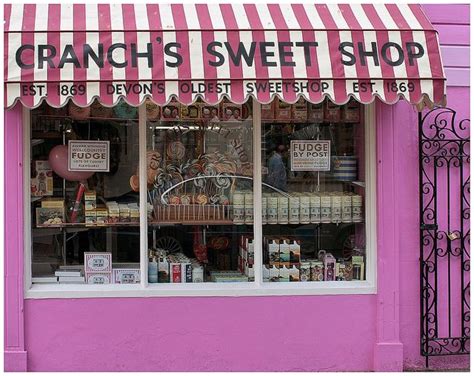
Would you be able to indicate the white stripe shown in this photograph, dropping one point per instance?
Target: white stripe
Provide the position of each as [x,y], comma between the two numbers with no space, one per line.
[337,16]
[299,70]
[216,17]
[361,16]
[217,20]
[313,17]
[169,36]
[424,66]
[400,71]
[143,37]
[41,24]
[167,21]
[116,23]
[195,42]
[222,71]
[265,18]
[66,23]
[289,16]
[67,17]
[93,72]
[375,71]
[324,59]
[246,37]
[385,16]
[274,72]
[409,17]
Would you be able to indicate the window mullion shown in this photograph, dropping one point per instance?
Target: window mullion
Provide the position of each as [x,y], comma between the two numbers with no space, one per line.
[143,196]
[257,193]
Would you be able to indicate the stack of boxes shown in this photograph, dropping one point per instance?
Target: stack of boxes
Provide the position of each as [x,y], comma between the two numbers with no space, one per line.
[90,206]
[246,257]
[98,267]
[177,268]
[282,260]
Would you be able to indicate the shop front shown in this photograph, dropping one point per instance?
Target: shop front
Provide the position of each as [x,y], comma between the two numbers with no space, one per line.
[211,187]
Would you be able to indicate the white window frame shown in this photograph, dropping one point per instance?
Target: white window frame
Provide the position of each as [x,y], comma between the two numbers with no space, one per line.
[257,288]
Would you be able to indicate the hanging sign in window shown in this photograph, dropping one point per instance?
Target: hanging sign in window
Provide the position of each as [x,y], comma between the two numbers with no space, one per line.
[88,156]
[309,155]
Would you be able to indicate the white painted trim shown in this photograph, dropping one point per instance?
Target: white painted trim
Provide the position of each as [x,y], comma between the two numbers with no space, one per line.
[200,289]
[257,193]
[26,120]
[257,288]
[143,196]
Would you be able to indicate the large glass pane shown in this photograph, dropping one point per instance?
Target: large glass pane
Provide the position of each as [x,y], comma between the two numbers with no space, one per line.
[85,224]
[313,193]
[200,186]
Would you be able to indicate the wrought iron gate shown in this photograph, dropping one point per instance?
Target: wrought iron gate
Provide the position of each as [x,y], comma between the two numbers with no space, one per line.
[444,233]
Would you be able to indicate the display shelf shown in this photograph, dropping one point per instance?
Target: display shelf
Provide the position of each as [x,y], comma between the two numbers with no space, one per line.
[191,223]
[81,225]
[315,224]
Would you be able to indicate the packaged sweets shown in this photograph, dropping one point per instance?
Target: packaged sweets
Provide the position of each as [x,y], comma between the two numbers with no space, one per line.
[50,216]
[126,276]
[294,209]
[357,208]
[102,216]
[346,205]
[294,274]
[42,183]
[272,209]
[282,110]
[282,210]
[305,209]
[284,274]
[316,112]
[300,110]
[273,247]
[315,208]
[329,267]
[266,274]
[295,252]
[305,271]
[274,274]
[268,111]
[317,270]
[351,111]
[209,112]
[98,278]
[190,112]
[171,111]
[231,111]
[358,270]
[332,112]
[325,208]
[198,273]
[336,208]
[248,203]
[264,210]
[343,271]
[285,253]
[97,262]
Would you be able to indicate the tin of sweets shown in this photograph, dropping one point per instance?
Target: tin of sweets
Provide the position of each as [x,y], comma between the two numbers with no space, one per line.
[336,209]
[326,209]
[304,209]
[272,210]
[282,210]
[317,271]
[315,209]
[294,209]
[305,271]
[346,208]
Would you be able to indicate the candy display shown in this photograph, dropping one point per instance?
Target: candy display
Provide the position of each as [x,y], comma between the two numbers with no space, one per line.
[49,216]
[299,110]
[42,183]
[173,268]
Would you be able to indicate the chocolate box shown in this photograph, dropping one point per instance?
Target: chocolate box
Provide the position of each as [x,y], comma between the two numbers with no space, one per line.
[98,278]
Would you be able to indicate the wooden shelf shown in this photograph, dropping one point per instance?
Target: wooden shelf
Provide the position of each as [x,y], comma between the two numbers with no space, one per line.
[83,225]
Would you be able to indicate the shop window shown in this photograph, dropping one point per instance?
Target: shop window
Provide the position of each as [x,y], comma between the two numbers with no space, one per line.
[203,199]
[85,216]
[200,186]
[313,192]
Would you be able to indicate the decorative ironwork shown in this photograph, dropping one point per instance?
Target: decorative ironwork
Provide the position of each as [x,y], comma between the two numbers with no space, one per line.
[444,233]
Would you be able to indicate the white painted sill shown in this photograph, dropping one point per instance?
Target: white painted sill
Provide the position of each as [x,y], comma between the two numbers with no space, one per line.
[200,290]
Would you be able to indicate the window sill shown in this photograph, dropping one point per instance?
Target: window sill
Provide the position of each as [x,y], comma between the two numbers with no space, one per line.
[200,290]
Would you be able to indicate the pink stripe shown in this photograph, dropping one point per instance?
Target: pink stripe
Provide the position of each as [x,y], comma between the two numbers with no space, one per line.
[258,35]
[158,70]
[340,95]
[406,36]
[283,35]
[434,54]
[382,38]
[130,36]
[29,14]
[105,37]
[7,9]
[182,37]
[237,89]
[357,37]
[207,36]
[79,39]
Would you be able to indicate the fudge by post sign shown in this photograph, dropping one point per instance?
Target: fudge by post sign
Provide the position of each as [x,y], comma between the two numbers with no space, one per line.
[88,156]
[309,155]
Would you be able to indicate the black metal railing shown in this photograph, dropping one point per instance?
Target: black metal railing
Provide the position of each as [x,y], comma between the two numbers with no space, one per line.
[444,233]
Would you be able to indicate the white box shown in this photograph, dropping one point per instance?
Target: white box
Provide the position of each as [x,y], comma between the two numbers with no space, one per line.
[98,278]
[126,276]
[98,262]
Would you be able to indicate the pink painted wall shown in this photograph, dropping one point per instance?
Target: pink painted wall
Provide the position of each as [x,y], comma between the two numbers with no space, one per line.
[324,333]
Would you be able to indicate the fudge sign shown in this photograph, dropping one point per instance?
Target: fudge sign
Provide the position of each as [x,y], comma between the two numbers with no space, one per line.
[308,155]
[88,156]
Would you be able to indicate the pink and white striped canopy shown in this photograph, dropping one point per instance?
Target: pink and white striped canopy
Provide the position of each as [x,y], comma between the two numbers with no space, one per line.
[87,51]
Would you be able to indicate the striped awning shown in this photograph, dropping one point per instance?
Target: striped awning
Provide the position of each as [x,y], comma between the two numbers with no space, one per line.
[86,51]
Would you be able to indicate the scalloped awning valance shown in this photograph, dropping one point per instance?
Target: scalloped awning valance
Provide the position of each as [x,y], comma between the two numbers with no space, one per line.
[133,51]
